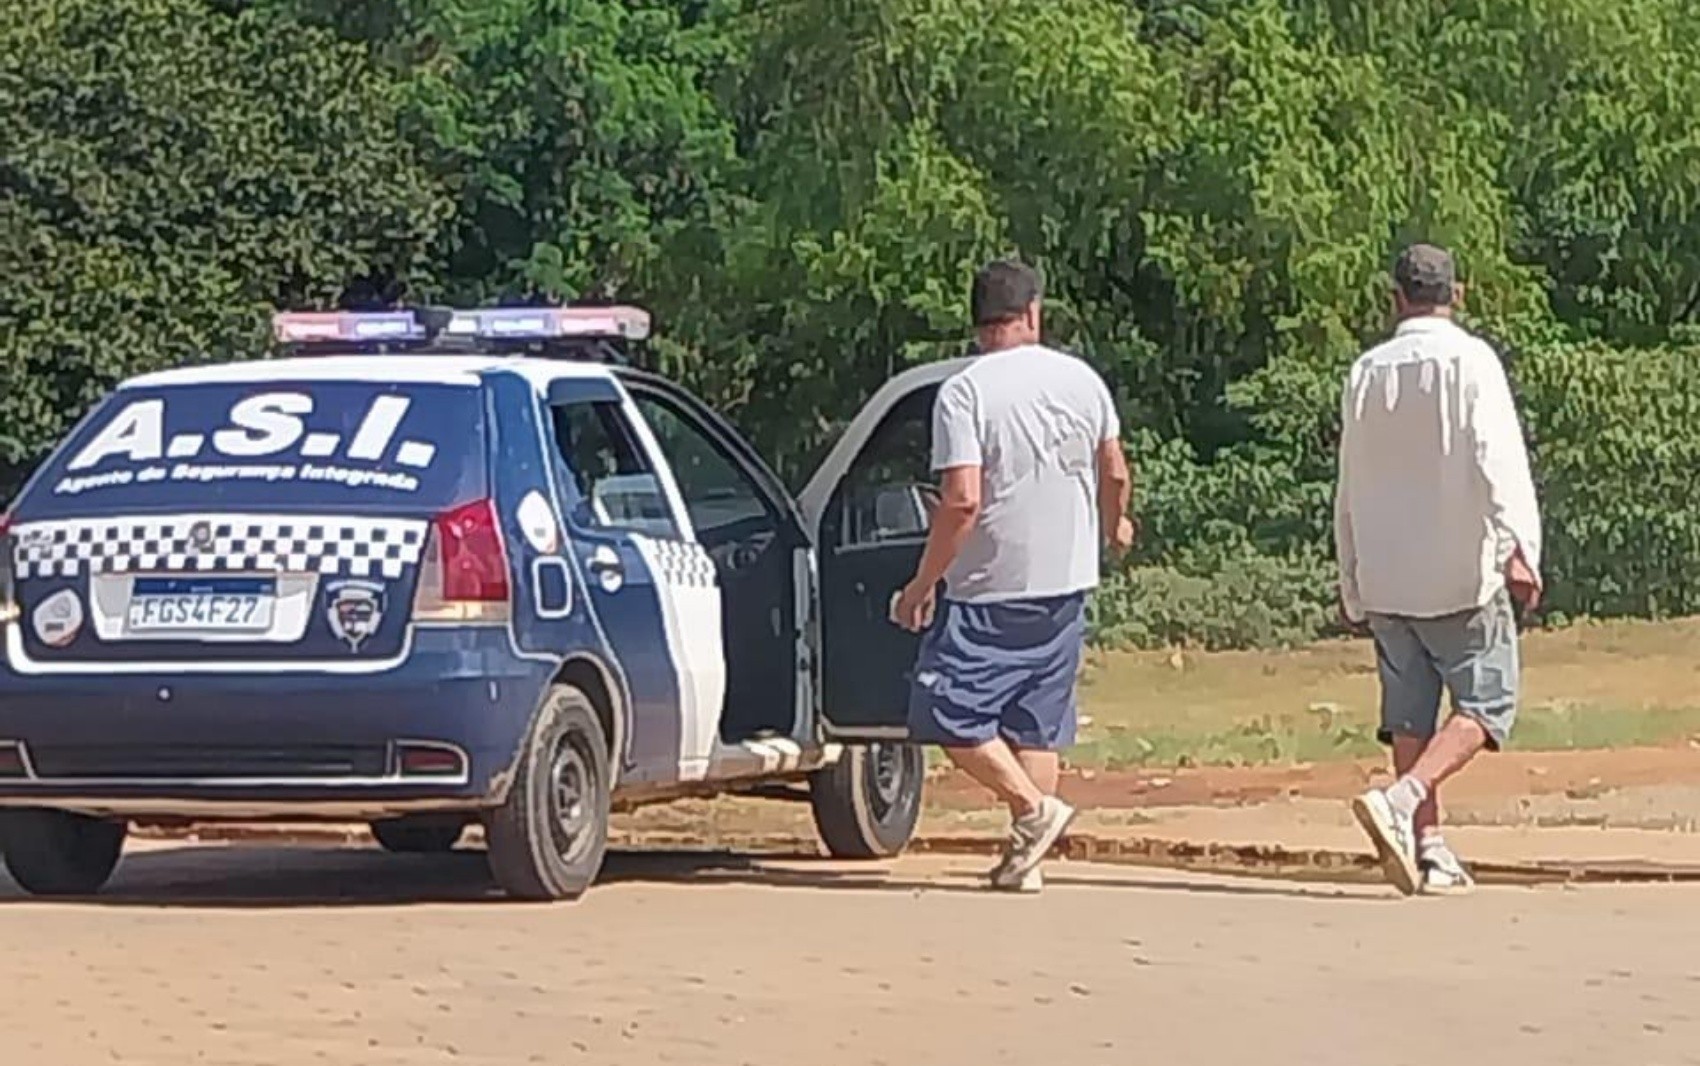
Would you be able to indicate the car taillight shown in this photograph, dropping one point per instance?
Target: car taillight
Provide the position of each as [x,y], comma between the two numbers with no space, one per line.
[8,589]
[470,547]
[464,574]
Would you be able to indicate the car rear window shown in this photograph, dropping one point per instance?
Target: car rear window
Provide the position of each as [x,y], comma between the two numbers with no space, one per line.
[370,446]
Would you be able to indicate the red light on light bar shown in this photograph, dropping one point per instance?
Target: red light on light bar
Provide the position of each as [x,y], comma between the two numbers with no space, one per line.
[311,327]
[296,327]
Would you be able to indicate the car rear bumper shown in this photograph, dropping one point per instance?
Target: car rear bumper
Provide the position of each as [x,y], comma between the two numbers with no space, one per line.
[286,745]
[315,804]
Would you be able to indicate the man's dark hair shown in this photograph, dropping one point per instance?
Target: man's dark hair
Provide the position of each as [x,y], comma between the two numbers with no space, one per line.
[1425,275]
[1002,291]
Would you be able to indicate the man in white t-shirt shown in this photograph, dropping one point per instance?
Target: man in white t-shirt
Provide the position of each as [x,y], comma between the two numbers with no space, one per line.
[1438,535]
[1027,444]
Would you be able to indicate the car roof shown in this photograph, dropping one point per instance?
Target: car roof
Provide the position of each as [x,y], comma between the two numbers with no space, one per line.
[425,369]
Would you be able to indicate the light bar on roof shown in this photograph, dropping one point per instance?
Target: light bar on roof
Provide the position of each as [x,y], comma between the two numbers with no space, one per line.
[542,323]
[313,327]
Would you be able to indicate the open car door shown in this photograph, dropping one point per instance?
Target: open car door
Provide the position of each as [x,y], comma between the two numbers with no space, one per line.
[869,507]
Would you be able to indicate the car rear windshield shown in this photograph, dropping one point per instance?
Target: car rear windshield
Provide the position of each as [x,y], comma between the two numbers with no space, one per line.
[295,445]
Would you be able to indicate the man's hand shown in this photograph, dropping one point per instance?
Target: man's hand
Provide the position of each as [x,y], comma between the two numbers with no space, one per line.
[913,608]
[1122,537]
[1522,582]
[1356,626]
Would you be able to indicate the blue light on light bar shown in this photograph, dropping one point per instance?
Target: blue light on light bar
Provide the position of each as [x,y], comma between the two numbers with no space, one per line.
[543,323]
[309,327]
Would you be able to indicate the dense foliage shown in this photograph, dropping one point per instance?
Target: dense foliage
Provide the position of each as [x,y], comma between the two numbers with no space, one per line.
[167,174]
[801,188]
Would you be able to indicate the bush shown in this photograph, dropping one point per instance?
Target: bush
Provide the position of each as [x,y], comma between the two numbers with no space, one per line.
[1616,435]
[1254,601]
[1235,550]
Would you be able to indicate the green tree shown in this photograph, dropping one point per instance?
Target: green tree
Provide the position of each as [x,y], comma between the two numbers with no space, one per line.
[1588,115]
[171,174]
[579,136]
[1616,437]
[801,189]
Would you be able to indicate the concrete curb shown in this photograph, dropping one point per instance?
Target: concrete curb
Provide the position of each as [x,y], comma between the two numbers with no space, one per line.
[1245,860]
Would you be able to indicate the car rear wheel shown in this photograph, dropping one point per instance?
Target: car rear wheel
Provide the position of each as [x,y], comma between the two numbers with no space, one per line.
[868,803]
[547,841]
[55,853]
[419,834]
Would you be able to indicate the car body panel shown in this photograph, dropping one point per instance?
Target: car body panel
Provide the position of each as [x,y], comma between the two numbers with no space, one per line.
[307,722]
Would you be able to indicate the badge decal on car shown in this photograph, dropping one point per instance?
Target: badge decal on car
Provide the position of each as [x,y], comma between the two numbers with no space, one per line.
[58,618]
[356,611]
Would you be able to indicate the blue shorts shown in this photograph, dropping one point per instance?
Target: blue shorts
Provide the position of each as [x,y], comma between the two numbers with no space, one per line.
[999,669]
[1471,655]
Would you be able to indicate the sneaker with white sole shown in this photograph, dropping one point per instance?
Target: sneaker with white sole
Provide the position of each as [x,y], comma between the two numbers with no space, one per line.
[1032,838]
[1032,883]
[998,875]
[1443,874]
[1393,836]
[999,878]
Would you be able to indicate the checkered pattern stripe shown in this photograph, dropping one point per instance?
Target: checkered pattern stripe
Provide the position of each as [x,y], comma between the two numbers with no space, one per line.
[355,547]
[680,564]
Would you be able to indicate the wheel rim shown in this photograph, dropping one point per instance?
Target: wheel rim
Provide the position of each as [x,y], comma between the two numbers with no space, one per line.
[572,788]
[887,769]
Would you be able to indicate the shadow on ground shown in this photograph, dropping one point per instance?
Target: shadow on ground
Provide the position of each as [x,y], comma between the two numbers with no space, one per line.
[291,877]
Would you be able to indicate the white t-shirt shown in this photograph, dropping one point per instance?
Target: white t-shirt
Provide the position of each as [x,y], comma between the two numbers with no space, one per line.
[1434,490]
[1031,419]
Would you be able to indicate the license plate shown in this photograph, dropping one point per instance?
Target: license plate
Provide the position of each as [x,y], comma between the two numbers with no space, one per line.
[201,605]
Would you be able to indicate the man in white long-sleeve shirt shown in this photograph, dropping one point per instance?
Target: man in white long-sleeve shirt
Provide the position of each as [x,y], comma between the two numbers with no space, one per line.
[1438,533]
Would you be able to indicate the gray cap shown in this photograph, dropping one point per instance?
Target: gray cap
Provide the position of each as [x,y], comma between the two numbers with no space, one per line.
[1425,275]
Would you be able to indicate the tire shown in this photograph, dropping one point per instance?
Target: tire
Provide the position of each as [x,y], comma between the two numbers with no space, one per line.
[547,841]
[421,834]
[56,853]
[868,803]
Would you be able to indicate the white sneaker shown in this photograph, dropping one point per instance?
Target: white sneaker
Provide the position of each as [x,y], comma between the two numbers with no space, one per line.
[1032,838]
[1443,874]
[1393,836]
[1030,884]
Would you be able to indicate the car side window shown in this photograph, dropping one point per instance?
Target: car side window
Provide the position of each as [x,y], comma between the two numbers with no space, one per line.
[618,486]
[890,490]
[717,492]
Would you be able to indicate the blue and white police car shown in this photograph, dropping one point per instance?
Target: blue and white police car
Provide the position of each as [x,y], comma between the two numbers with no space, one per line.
[431,568]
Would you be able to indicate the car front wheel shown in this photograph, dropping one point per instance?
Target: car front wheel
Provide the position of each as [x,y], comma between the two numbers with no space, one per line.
[547,841]
[56,853]
[867,804]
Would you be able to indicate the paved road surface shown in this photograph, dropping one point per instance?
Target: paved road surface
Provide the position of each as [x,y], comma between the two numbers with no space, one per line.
[302,957]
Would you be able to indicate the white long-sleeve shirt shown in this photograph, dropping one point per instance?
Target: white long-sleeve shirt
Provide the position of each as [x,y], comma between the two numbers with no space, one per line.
[1434,492]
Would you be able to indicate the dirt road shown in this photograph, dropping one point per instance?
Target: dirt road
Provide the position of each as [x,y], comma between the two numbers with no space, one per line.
[294,956]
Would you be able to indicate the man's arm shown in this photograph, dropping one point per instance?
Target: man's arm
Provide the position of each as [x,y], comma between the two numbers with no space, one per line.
[954,517]
[1115,481]
[957,459]
[1345,545]
[1115,493]
[1503,460]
